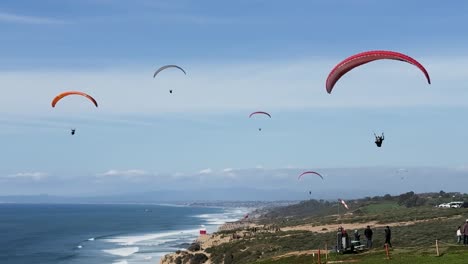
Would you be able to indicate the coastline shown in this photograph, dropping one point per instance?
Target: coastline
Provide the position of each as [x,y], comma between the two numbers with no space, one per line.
[211,238]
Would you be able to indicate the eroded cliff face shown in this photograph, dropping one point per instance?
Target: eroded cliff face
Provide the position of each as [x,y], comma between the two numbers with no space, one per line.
[196,253]
[185,257]
[168,259]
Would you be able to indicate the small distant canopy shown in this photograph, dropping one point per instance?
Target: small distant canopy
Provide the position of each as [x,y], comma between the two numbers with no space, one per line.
[309,172]
[259,113]
[167,67]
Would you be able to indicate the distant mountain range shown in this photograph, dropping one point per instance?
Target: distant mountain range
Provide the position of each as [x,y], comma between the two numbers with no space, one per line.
[178,196]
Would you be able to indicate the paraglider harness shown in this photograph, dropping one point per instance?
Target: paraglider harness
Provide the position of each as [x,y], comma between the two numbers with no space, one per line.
[73,131]
[379,140]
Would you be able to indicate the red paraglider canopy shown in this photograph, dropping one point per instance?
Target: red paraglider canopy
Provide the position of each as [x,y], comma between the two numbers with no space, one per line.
[365,57]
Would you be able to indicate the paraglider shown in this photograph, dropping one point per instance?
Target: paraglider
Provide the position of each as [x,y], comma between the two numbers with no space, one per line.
[402,172]
[166,67]
[309,172]
[365,57]
[259,113]
[379,140]
[65,94]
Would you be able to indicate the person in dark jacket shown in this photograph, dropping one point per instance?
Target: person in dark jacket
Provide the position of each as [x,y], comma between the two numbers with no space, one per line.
[368,234]
[388,236]
[465,233]
[357,236]
[379,140]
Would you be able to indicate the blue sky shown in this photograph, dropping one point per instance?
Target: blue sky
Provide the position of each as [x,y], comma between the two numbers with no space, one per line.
[240,57]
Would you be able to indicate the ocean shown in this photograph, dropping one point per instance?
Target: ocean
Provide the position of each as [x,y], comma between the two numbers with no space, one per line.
[115,234]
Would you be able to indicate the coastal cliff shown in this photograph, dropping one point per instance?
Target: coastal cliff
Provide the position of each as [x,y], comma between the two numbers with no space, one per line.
[196,253]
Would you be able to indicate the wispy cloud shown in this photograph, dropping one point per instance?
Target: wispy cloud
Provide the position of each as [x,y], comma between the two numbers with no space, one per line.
[205,171]
[287,177]
[23,19]
[372,180]
[37,176]
[290,85]
[124,173]
[202,19]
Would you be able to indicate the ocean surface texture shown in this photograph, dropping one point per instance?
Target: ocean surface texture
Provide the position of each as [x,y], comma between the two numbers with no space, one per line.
[120,234]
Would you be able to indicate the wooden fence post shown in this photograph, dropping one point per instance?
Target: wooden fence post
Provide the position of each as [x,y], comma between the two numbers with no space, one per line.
[326,252]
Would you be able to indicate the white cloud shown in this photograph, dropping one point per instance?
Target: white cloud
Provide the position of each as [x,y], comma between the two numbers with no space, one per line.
[179,175]
[37,176]
[337,181]
[21,19]
[196,19]
[229,172]
[462,168]
[124,173]
[205,171]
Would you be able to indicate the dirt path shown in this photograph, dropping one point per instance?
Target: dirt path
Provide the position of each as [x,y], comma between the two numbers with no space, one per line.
[352,226]
[298,253]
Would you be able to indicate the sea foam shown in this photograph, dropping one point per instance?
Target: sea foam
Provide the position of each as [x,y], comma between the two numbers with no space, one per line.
[131,240]
[122,252]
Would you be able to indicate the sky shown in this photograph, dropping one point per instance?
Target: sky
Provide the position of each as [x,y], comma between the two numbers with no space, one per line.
[240,57]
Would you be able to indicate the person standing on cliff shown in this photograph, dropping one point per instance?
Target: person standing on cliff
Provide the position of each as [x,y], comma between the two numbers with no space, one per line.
[368,234]
[388,236]
[465,233]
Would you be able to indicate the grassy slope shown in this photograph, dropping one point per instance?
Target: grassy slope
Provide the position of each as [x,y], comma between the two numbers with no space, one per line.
[414,243]
[455,255]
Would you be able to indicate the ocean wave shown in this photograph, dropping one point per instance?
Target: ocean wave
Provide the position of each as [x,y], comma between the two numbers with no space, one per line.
[219,219]
[160,242]
[131,240]
[122,252]
[120,262]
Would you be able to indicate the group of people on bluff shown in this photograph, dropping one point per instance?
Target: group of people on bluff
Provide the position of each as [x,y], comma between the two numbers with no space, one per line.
[462,234]
[368,233]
